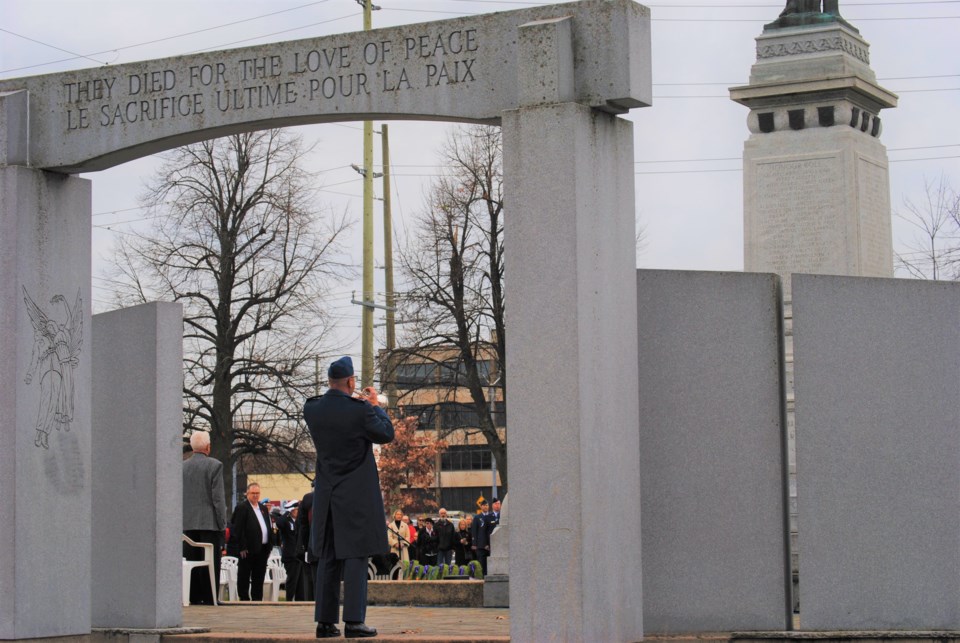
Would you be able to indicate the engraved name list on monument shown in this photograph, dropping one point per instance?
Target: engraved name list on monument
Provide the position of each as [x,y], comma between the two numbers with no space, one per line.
[874,220]
[276,76]
[797,228]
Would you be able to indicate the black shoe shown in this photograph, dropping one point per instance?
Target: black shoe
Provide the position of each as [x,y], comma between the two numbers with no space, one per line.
[358,631]
[327,631]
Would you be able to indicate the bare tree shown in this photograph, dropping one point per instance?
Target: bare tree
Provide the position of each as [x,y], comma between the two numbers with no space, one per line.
[455,267]
[933,252]
[238,241]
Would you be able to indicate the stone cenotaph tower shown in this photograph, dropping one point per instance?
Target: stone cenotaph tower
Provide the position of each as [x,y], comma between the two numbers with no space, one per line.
[815,175]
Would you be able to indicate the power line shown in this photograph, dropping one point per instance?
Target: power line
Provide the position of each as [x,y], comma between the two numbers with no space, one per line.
[741,82]
[740,169]
[66,51]
[636,162]
[768,20]
[727,6]
[276,33]
[725,96]
[501,2]
[150,42]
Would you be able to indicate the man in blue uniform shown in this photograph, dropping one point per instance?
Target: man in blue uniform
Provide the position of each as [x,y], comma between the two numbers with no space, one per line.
[347,524]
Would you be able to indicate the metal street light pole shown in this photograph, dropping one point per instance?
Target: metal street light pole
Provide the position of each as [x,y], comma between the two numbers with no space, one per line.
[493,407]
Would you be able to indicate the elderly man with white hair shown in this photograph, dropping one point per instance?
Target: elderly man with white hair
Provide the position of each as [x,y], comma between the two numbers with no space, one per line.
[204,512]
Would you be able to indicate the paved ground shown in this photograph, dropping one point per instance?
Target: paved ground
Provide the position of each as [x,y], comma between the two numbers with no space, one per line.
[292,621]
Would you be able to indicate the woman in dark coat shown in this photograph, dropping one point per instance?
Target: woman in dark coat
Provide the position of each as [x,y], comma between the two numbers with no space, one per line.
[463,542]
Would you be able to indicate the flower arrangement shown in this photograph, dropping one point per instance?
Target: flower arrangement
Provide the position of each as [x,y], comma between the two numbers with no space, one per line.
[413,570]
[475,569]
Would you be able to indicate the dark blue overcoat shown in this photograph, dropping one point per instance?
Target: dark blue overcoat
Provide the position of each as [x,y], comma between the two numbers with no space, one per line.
[344,430]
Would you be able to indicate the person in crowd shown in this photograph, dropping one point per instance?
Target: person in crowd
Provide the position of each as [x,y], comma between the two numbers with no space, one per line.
[428,542]
[463,545]
[204,513]
[253,538]
[490,522]
[478,530]
[446,538]
[348,524]
[412,528]
[286,521]
[398,536]
[494,521]
[309,562]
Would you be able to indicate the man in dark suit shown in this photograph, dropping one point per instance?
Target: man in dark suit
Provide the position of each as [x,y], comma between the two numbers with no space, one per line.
[286,521]
[446,538]
[478,531]
[253,535]
[204,513]
[347,525]
[309,575]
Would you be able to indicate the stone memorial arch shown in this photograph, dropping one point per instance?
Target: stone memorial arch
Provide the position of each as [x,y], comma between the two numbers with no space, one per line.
[90,404]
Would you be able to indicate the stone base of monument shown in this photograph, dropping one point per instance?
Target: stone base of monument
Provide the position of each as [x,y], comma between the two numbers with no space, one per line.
[433,593]
[496,590]
[134,635]
[857,636]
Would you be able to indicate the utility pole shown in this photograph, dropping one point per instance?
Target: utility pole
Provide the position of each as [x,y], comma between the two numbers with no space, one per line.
[366,361]
[388,255]
[388,241]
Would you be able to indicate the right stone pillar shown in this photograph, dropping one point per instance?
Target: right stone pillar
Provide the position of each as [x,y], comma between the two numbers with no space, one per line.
[574,445]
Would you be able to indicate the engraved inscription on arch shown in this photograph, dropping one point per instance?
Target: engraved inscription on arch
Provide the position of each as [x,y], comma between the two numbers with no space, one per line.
[463,69]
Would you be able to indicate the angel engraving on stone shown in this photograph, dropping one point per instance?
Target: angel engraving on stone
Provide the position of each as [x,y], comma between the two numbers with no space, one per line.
[55,355]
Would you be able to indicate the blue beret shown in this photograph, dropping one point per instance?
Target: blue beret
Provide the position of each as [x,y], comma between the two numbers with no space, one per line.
[341,368]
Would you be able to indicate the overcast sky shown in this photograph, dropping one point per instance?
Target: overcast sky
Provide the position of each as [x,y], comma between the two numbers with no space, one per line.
[688,144]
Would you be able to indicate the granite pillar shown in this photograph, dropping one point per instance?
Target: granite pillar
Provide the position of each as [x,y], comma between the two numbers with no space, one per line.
[877,363]
[45,347]
[137,465]
[568,173]
[712,452]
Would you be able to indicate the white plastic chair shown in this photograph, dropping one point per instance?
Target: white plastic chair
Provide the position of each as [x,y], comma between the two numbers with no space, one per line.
[276,574]
[188,566]
[274,558]
[228,577]
[394,574]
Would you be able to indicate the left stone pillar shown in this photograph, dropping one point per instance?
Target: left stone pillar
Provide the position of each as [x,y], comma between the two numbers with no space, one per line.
[45,392]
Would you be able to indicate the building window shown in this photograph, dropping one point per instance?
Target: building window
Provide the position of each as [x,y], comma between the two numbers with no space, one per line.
[411,374]
[500,413]
[454,372]
[465,498]
[466,458]
[425,414]
[454,415]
